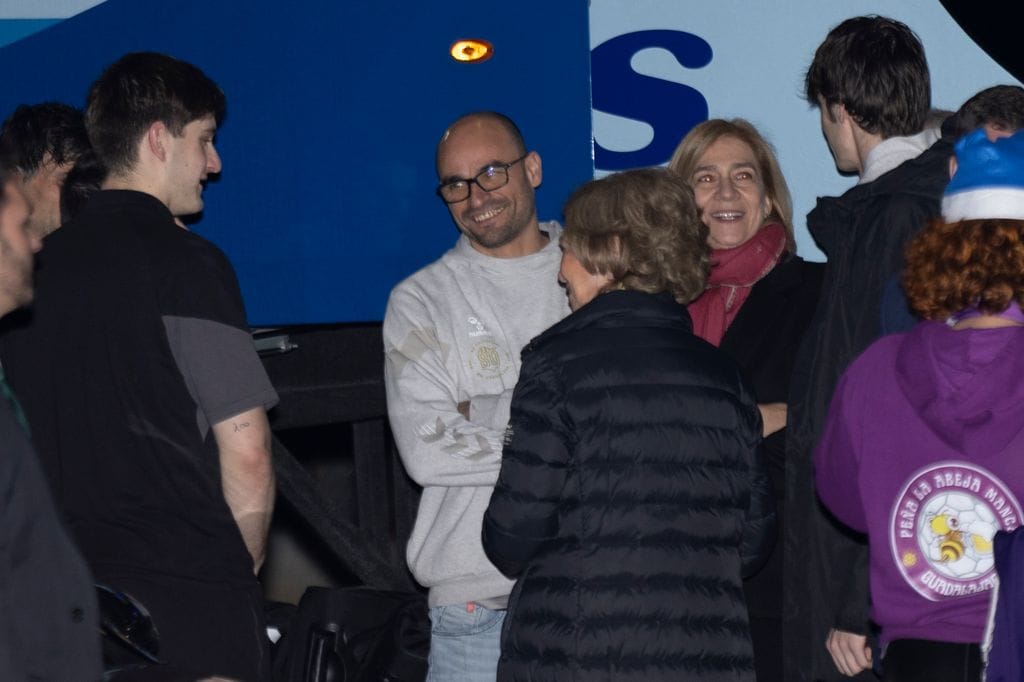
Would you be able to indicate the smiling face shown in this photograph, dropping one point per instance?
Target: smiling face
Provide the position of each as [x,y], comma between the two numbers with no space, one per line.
[501,222]
[580,285]
[191,157]
[730,193]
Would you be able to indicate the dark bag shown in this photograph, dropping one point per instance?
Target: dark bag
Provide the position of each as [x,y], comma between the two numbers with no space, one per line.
[127,633]
[355,634]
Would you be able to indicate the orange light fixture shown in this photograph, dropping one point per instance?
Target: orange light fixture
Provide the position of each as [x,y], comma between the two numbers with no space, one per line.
[471,50]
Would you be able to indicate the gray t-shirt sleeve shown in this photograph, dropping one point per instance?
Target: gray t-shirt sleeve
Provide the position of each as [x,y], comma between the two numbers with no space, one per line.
[220,367]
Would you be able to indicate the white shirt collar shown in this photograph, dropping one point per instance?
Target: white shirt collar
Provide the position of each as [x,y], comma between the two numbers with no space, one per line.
[891,152]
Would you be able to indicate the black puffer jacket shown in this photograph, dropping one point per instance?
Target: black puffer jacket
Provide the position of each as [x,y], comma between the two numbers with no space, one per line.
[629,501]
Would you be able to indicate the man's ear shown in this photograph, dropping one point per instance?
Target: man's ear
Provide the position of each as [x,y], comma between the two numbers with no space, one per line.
[534,169]
[156,140]
[846,120]
[952,167]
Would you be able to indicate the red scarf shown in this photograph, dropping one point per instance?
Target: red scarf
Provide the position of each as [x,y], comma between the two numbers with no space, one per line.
[733,273]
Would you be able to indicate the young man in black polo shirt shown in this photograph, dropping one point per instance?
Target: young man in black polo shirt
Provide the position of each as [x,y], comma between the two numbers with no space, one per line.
[141,383]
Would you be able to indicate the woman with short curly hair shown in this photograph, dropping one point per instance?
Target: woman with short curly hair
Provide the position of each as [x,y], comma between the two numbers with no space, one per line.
[639,228]
[922,450]
[629,502]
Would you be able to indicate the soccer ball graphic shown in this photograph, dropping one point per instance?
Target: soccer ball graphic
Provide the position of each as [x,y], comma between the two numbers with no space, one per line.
[955,534]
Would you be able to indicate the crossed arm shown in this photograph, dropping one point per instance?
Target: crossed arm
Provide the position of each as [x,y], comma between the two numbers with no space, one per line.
[445,438]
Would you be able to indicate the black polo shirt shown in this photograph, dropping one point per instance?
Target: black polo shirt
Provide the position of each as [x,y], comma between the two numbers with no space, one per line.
[137,343]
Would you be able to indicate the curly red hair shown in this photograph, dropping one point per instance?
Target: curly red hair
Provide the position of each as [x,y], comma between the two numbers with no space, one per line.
[971,263]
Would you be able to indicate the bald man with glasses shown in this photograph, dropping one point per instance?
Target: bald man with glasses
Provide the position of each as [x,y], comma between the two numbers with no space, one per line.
[453,333]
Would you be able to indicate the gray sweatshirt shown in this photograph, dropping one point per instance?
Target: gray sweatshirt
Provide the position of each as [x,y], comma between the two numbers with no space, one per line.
[453,332]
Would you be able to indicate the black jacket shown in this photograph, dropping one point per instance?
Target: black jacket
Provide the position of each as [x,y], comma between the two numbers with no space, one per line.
[49,619]
[863,233]
[629,501]
[765,337]
[764,340]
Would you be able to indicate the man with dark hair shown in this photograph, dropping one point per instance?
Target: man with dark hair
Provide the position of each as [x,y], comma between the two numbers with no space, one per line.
[999,110]
[49,621]
[141,383]
[39,144]
[873,70]
[453,333]
[870,80]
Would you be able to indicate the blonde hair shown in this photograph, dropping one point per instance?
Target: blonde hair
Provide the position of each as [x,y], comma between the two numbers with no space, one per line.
[692,147]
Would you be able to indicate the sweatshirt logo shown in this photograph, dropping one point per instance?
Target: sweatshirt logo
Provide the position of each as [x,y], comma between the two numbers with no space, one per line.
[942,527]
[486,359]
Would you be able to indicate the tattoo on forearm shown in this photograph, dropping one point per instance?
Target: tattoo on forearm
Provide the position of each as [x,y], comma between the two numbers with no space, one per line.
[240,426]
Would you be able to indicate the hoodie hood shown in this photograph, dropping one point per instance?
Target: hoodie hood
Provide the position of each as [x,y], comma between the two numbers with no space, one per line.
[966,385]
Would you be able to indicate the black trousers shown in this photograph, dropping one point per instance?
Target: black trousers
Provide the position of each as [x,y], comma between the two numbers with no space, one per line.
[921,660]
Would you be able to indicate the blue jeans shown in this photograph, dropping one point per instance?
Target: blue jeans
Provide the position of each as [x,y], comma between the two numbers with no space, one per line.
[464,644]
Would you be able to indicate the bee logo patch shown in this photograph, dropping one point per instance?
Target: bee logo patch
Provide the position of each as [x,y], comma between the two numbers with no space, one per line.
[942,527]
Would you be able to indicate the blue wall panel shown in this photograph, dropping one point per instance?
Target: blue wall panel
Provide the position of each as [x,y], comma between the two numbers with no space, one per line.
[334,109]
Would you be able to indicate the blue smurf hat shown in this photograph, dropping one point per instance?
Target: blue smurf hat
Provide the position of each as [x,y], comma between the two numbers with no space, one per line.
[989,179]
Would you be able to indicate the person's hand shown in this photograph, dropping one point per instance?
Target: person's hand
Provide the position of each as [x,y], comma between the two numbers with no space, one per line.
[850,651]
[463,408]
[773,415]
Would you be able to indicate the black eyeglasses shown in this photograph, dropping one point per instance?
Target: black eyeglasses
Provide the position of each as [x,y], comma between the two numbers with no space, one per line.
[489,179]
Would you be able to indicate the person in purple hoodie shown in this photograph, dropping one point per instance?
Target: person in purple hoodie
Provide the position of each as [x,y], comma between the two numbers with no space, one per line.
[924,445]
